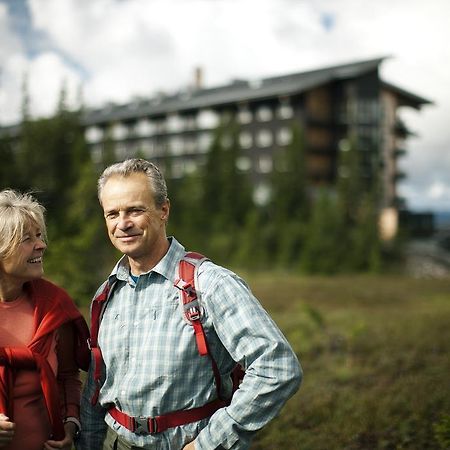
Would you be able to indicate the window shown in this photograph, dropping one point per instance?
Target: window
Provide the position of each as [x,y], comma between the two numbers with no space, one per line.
[244,116]
[144,128]
[245,140]
[264,138]
[176,146]
[93,135]
[261,194]
[204,142]
[119,131]
[265,164]
[264,114]
[208,119]
[147,148]
[285,110]
[243,163]
[174,123]
[284,136]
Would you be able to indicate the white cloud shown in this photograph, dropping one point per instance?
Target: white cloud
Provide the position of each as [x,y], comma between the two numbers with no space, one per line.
[125,48]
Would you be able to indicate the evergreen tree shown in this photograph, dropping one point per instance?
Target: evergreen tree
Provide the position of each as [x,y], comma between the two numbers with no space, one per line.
[226,193]
[326,243]
[290,204]
[358,195]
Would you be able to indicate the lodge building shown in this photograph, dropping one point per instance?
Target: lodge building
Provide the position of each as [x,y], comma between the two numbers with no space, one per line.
[329,104]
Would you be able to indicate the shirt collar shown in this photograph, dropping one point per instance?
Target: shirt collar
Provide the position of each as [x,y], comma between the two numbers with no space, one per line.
[167,266]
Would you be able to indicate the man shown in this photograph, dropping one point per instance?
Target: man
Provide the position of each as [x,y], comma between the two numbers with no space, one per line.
[150,361]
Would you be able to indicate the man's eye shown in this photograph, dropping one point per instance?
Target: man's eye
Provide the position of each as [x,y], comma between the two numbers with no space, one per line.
[111,215]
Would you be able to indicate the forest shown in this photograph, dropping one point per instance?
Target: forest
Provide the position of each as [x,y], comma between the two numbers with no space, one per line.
[213,210]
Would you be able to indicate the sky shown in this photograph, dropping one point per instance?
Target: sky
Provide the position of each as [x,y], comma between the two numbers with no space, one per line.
[115,50]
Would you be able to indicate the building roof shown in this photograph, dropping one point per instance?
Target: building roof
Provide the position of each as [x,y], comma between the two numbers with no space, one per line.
[243,90]
[406,98]
[238,91]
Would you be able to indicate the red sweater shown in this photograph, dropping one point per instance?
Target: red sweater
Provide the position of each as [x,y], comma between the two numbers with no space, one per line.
[52,308]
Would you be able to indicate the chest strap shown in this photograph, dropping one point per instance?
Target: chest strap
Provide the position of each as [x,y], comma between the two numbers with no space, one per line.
[158,424]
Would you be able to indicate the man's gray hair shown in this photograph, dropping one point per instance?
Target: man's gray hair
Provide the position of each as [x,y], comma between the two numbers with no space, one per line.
[18,213]
[136,165]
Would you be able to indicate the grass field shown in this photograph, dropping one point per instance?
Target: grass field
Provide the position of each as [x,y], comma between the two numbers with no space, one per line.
[376,357]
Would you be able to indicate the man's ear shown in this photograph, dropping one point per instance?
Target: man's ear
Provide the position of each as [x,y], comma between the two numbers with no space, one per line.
[165,210]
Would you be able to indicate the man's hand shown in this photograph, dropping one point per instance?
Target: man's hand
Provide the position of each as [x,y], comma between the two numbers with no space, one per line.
[190,446]
[6,430]
[66,443]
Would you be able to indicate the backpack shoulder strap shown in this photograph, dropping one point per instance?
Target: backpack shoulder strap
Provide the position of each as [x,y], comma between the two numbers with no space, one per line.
[97,309]
[192,310]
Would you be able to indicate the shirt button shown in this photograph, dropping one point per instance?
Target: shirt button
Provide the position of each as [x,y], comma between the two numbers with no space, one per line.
[123,392]
[136,323]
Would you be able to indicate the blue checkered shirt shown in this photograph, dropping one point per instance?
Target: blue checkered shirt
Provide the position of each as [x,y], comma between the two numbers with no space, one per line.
[153,366]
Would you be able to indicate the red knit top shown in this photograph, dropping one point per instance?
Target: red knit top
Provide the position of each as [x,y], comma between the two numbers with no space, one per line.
[42,344]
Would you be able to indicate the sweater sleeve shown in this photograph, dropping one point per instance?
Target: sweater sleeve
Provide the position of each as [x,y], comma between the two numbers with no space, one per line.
[68,375]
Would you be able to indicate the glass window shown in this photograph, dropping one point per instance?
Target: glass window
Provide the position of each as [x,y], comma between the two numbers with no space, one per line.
[264,114]
[144,128]
[264,138]
[147,148]
[265,164]
[244,163]
[93,135]
[204,142]
[207,118]
[245,116]
[174,123]
[285,111]
[176,145]
[245,139]
[119,131]
[284,136]
[261,194]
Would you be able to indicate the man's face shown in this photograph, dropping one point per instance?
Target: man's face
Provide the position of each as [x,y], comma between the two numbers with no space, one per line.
[136,226]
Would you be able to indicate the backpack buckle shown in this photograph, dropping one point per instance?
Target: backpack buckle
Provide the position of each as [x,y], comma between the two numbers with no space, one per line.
[185,287]
[145,425]
[193,313]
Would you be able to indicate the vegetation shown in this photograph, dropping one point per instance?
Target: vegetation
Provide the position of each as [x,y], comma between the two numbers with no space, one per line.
[297,228]
[374,350]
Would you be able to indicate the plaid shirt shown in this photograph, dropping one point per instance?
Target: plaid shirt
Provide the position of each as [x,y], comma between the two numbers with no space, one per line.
[153,366]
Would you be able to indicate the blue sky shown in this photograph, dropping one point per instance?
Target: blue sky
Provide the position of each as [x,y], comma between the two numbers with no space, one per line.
[118,49]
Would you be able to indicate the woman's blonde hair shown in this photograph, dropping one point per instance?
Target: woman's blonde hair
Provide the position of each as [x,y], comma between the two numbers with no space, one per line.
[18,212]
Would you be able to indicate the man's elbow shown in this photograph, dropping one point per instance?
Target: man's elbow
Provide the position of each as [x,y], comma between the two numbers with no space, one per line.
[295,378]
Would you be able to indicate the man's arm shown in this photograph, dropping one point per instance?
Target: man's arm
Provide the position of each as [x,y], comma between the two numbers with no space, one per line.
[273,373]
[93,426]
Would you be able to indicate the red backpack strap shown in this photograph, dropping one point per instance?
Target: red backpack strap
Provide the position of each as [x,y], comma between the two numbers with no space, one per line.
[192,310]
[98,306]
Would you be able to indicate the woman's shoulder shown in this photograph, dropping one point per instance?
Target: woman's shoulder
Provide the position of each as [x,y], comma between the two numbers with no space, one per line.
[44,286]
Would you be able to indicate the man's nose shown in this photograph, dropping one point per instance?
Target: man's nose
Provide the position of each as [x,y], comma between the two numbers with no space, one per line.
[124,222]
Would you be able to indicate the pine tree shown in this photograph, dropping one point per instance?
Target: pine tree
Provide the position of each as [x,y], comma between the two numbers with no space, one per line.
[358,195]
[289,207]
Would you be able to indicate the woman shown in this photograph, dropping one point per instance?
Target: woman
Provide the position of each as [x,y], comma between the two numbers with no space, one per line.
[42,337]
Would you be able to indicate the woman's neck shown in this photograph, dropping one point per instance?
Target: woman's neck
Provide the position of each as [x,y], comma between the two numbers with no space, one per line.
[11,293]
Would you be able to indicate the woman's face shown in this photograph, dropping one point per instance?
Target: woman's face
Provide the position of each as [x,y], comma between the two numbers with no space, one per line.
[25,264]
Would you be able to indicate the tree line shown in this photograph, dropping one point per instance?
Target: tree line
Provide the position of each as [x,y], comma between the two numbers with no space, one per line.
[213,211]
